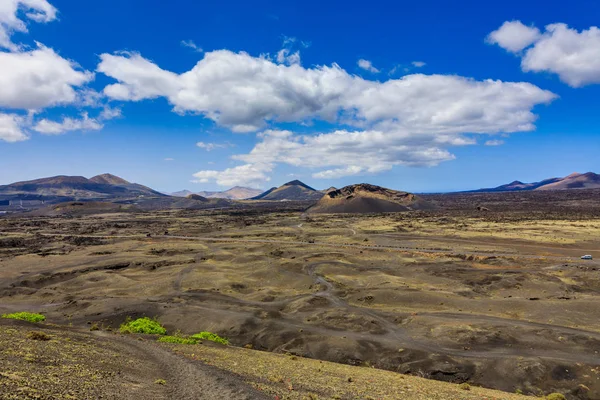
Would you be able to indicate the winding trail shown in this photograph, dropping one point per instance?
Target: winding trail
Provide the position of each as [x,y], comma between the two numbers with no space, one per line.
[187,379]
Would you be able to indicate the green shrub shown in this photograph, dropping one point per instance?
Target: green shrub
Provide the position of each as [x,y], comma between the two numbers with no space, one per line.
[143,325]
[555,396]
[465,386]
[177,340]
[25,316]
[210,336]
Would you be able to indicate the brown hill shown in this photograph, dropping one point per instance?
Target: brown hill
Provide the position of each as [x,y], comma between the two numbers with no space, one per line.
[291,191]
[109,179]
[364,199]
[588,180]
[196,197]
[76,187]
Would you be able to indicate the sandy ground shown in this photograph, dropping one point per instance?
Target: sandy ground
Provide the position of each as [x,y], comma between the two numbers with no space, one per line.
[501,301]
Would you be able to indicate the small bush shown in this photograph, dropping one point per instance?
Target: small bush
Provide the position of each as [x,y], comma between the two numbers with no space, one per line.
[555,396]
[160,382]
[37,336]
[25,316]
[465,386]
[143,325]
[177,340]
[210,336]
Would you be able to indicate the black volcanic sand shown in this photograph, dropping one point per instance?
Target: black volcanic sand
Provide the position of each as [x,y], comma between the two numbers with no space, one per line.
[506,314]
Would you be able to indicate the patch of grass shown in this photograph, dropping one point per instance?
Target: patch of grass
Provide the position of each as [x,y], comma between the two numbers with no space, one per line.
[177,340]
[38,336]
[143,325]
[556,396]
[210,336]
[465,386]
[160,382]
[25,316]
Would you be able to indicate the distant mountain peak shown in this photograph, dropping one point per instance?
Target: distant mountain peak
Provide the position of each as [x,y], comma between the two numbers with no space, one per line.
[109,179]
[293,190]
[296,182]
[588,180]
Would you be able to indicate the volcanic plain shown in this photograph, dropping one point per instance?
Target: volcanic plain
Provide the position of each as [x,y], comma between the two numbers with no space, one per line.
[479,290]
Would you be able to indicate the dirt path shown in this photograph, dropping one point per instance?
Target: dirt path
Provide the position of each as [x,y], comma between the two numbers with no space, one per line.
[186,379]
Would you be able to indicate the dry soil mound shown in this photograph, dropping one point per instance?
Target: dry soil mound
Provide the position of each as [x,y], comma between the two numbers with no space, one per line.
[364,198]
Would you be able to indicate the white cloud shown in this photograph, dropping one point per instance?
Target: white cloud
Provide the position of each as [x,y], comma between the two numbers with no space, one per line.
[169,159]
[191,45]
[285,56]
[514,36]
[141,79]
[36,10]
[338,172]
[109,113]
[37,79]
[246,93]
[253,175]
[11,128]
[412,120]
[573,55]
[84,123]
[213,146]
[367,66]
[418,64]
[494,142]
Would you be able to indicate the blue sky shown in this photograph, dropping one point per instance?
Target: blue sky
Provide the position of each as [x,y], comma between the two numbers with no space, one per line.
[138,100]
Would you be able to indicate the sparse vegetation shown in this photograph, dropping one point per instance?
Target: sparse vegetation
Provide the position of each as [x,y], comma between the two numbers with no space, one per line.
[160,382]
[210,336]
[556,396]
[465,386]
[38,336]
[143,325]
[177,340]
[25,316]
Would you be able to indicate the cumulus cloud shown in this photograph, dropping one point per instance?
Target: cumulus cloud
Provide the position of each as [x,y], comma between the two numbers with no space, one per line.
[338,172]
[418,64]
[109,113]
[191,45]
[11,128]
[36,10]
[253,175]
[246,93]
[494,142]
[39,78]
[367,66]
[412,120]
[84,123]
[573,55]
[213,146]
[514,36]
[285,56]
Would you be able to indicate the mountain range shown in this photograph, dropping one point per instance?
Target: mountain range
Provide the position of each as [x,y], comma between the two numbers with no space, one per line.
[235,193]
[588,180]
[103,186]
